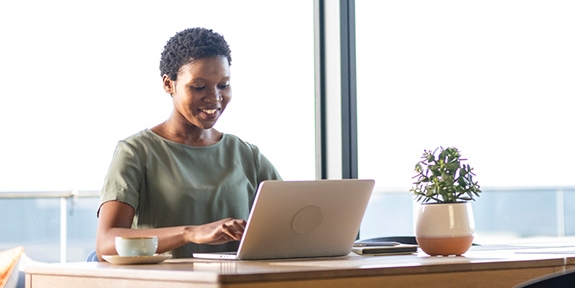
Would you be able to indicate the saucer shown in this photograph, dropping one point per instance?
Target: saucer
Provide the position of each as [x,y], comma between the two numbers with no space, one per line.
[119,260]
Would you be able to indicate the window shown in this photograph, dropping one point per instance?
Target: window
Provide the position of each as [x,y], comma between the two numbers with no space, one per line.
[492,78]
[77,76]
[77,80]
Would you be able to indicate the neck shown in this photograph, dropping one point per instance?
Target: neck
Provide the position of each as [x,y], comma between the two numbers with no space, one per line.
[188,134]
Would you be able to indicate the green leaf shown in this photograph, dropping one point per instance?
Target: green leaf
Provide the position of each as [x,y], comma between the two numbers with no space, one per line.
[441,176]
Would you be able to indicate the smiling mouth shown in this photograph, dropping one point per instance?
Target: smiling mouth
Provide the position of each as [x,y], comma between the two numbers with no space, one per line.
[209,111]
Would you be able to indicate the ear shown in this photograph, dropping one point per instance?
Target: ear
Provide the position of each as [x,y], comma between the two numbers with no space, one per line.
[168,84]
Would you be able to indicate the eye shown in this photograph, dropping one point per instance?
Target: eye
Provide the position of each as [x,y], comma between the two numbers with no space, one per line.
[198,88]
[224,86]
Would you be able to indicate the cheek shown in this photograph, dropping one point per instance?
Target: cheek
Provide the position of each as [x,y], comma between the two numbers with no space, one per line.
[227,97]
[183,104]
[224,103]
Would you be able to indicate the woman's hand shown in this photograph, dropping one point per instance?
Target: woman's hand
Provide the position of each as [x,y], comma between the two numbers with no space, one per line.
[218,232]
[115,219]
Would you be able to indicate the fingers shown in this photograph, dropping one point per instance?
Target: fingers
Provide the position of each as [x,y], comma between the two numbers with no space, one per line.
[234,229]
[218,232]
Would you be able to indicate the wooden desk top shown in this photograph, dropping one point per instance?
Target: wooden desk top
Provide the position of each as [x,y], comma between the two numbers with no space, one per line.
[229,272]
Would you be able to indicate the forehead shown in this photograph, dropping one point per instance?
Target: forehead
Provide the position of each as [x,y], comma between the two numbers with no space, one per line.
[208,67]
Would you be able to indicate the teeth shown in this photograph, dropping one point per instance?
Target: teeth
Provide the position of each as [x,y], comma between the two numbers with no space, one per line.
[210,111]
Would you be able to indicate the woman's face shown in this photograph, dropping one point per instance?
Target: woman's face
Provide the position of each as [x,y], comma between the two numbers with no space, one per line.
[201,92]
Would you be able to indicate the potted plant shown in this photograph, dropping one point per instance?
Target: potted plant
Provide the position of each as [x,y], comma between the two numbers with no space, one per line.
[444,186]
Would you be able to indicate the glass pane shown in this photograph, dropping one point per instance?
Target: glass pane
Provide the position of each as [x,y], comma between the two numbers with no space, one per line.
[77,76]
[34,224]
[492,78]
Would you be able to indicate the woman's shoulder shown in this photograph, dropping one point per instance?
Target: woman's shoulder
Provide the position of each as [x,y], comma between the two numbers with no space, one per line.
[145,136]
[144,140]
[232,144]
[147,139]
[234,140]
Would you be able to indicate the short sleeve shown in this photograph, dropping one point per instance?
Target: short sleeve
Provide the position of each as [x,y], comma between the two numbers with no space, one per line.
[124,177]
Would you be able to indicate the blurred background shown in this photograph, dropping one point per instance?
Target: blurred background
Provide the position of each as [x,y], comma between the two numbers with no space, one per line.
[492,78]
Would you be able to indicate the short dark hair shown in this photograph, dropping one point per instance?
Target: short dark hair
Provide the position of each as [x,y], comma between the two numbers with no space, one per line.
[191,44]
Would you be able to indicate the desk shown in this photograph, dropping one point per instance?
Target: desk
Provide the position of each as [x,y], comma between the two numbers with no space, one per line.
[483,268]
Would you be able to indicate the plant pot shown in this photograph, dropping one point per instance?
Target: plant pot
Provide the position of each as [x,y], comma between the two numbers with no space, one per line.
[444,228]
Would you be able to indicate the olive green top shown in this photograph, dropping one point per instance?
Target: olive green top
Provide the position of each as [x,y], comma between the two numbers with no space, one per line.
[172,184]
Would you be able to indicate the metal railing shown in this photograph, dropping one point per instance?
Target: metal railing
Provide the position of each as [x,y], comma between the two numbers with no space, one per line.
[500,213]
[64,196]
[557,210]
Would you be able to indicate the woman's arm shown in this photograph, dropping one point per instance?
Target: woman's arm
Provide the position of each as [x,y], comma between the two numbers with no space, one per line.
[115,219]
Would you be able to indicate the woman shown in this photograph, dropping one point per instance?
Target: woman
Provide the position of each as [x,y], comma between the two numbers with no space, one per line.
[184,181]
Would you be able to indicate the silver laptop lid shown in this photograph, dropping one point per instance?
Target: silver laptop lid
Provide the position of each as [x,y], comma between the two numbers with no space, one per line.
[295,219]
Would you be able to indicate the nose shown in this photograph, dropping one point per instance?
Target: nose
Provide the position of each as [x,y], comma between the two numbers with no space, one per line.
[213,96]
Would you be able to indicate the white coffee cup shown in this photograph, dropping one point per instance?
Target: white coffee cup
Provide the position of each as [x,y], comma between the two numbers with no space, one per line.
[136,246]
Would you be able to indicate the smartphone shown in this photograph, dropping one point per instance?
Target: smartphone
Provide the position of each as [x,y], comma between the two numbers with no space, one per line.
[375,243]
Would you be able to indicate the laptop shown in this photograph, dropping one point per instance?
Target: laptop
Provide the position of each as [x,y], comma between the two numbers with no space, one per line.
[301,219]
